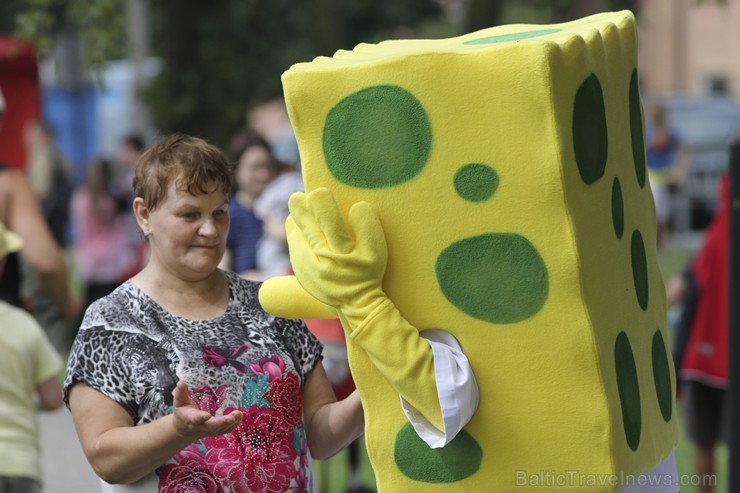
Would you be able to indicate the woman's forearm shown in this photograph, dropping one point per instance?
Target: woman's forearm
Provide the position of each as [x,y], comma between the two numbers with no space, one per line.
[336,425]
[126,454]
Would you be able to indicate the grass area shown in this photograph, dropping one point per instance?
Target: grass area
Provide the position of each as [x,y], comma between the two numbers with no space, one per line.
[333,476]
[686,470]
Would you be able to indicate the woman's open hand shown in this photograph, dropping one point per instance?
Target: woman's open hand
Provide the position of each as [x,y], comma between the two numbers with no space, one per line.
[192,422]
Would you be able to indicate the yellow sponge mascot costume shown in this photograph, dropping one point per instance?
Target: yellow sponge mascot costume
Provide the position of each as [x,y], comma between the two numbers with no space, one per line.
[478,216]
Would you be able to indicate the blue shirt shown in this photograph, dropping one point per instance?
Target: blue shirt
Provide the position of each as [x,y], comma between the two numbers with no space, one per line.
[661,157]
[244,234]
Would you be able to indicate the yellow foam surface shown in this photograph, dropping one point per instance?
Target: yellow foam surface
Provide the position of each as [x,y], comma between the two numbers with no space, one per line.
[489,129]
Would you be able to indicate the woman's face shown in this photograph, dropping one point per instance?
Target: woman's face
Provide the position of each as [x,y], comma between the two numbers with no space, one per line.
[254,170]
[187,234]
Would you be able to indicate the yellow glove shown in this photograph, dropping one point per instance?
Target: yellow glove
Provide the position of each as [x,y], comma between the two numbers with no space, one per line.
[341,268]
[344,268]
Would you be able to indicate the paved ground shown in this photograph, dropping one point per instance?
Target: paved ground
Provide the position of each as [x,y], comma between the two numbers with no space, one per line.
[65,468]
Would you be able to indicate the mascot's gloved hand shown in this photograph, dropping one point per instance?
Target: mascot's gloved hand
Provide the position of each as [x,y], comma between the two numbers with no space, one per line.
[342,265]
[341,268]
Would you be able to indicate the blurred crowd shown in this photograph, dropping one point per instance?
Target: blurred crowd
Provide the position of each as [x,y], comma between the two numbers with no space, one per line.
[93,233]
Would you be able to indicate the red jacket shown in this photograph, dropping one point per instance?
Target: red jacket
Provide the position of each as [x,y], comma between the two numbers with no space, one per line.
[706,357]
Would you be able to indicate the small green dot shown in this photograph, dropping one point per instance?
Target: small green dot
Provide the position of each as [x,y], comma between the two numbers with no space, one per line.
[455,461]
[629,390]
[662,376]
[617,209]
[377,137]
[476,182]
[639,269]
[638,139]
[497,277]
[501,38]
[590,137]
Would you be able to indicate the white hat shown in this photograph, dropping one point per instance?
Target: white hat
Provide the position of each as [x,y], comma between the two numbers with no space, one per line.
[9,241]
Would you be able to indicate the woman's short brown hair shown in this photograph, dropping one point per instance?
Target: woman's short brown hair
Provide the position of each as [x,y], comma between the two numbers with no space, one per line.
[198,167]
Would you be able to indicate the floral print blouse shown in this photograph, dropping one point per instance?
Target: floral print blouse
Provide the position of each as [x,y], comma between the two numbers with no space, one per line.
[133,351]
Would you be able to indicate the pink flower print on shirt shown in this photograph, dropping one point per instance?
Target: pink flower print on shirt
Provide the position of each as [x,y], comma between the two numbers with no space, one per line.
[274,366]
[286,396]
[208,400]
[220,357]
[256,457]
[191,477]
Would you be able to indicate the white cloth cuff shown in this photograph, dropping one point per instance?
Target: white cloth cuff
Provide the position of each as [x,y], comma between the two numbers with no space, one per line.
[457,390]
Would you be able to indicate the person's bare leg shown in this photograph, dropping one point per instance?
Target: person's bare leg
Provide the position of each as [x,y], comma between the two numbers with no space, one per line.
[704,467]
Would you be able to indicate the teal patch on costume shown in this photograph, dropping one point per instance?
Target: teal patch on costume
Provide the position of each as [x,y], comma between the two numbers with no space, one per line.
[502,38]
[639,269]
[456,461]
[496,277]
[377,137]
[629,390]
[662,377]
[590,137]
[638,139]
[617,208]
[476,182]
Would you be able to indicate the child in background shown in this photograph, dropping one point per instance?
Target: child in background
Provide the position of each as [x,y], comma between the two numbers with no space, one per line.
[272,208]
[29,367]
[701,351]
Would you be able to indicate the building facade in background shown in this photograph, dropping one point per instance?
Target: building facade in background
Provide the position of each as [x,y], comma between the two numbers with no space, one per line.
[690,47]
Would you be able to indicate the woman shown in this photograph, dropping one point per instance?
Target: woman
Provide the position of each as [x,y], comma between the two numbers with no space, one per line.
[255,166]
[178,380]
[102,253]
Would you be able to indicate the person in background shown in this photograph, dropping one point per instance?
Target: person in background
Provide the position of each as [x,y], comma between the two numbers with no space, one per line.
[49,175]
[271,207]
[102,253]
[29,375]
[129,150]
[667,163]
[254,167]
[40,254]
[179,380]
[702,341]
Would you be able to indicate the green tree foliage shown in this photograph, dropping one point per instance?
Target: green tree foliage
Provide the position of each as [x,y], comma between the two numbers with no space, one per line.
[99,24]
[220,58]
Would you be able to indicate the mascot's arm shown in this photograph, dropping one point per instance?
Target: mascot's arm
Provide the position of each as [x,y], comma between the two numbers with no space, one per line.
[344,270]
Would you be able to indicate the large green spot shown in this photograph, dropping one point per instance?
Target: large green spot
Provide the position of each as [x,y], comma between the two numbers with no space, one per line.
[638,139]
[629,390]
[502,38]
[476,182]
[617,208]
[496,277]
[377,137]
[662,376]
[455,461]
[639,269]
[590,137]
